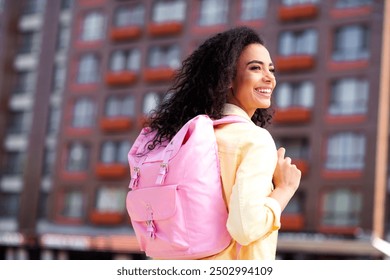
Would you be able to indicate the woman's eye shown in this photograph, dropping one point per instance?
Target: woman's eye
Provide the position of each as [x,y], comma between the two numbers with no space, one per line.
[255,68]
[272,71]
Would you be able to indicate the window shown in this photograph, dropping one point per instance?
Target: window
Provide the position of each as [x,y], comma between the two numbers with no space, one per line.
[295,43]
[342,208]
[29,42]
[151,100]
[349,96]
[298,2]
[129,15]
[352,3]
[78,156]
[120,106]
[43,206]
[88,69]
[296,148]
[59,74]
[110,200]
[122,151]
[19,122]
[295,95]
[294,206]
[164,56]
[14,163]
[173,10]
[125,60]
[54,120]
[66,4]
[25,82]
[213,12]
[128,106]
[108,152]
[83,113]
[112,106]
[48,161]
[115,152]
[351,43]
[9,205]
[93,27]
[346,151]
[63,37]
[33,6]
[253,9]
[73,204]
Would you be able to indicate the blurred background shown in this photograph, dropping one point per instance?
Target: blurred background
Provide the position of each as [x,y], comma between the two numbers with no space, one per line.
[78,78]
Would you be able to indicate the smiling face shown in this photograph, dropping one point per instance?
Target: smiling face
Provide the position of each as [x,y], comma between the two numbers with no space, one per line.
[254,81]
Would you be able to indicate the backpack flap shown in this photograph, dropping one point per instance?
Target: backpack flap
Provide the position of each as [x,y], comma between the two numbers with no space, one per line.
[163,153]
[177,142]
[145,207]
[156,220]
[145,204]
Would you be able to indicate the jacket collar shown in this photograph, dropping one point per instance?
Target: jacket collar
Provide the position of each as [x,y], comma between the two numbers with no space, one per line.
[231,109]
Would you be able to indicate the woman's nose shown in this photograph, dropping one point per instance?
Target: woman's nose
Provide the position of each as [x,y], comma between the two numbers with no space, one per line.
[267,78]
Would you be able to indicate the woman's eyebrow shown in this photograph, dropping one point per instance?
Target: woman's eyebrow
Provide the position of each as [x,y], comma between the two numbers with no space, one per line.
[258,62]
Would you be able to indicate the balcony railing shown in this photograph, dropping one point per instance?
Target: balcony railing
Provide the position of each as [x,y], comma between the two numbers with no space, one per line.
[292,222]
[125,33]
[302,165]
[122,78]
[297,12]
[292,115]
[106,218]
[296,62]
[112,171]
[164,29]
[116,124]
[158,74]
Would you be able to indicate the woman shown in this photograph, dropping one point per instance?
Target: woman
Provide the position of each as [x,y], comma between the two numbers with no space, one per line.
[232,74]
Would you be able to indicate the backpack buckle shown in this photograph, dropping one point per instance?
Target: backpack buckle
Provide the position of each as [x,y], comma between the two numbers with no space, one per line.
[162,173]
[150,227]
[135,177]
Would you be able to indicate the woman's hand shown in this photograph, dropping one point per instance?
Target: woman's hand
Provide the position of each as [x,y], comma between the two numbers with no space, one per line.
[286,179]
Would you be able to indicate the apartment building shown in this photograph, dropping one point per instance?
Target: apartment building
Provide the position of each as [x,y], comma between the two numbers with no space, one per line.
[79,77]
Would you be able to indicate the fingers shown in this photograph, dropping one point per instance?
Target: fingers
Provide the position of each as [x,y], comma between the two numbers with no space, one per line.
[281,153]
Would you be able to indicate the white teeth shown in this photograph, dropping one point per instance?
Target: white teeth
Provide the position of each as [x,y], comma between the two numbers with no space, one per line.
[263,90]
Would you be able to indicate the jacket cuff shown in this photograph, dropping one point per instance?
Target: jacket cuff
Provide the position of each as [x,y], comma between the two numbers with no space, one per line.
[276,209]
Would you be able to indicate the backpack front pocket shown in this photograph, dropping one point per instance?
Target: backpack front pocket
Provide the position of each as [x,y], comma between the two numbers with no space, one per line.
[158,219]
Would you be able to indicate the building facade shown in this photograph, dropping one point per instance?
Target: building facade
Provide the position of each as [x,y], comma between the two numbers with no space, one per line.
[78,78]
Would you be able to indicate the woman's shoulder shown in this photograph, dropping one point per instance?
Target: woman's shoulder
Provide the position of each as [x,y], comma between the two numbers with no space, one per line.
[244,133]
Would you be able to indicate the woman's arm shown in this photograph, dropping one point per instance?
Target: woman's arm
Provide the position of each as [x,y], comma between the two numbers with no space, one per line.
[286,179]
[253,214]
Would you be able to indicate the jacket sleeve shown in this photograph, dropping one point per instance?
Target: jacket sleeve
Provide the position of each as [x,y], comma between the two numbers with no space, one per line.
[253,215]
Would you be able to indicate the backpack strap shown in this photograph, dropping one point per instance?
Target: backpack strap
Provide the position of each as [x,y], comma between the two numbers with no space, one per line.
[135,174]
[230,119]
[164,164]
[173,145]
[177,141]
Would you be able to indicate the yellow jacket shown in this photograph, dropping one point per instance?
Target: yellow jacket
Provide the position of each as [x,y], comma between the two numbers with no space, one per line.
[248,158]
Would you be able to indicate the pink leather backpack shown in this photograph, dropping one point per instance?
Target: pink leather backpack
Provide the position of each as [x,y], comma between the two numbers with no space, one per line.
[175,199]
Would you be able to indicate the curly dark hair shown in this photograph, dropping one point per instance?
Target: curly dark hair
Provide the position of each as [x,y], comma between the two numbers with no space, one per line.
[201,85]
